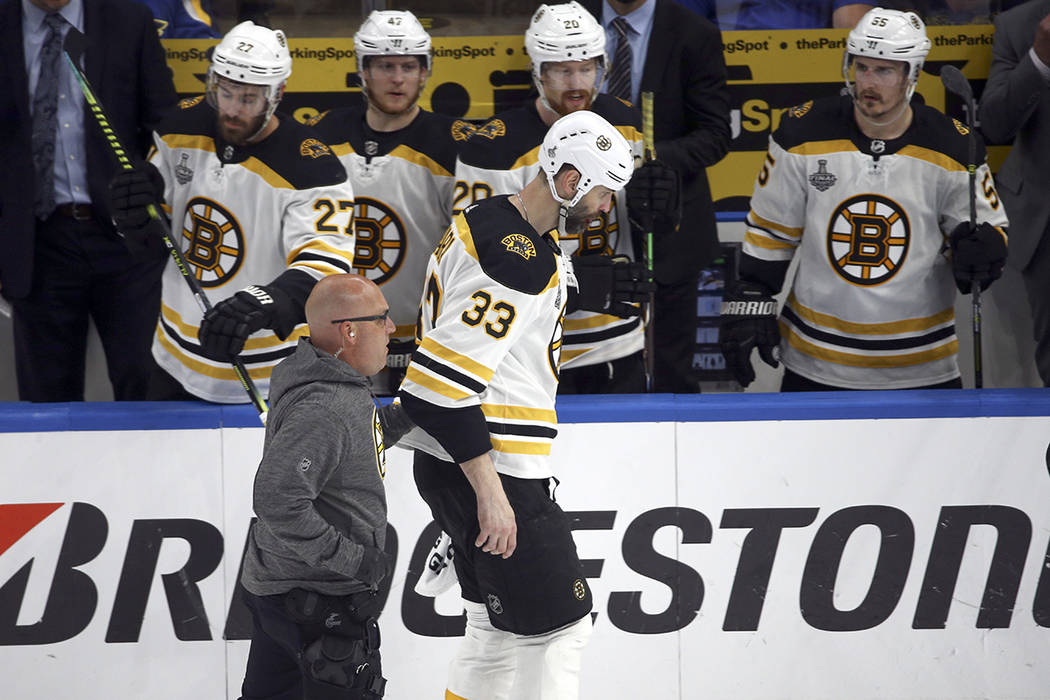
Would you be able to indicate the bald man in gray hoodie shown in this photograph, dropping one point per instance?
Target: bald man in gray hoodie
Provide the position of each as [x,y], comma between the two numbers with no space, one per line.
[315,560]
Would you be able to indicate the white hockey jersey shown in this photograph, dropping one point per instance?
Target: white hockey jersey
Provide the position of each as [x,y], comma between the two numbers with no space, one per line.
[243,215]
[501,157]
[492,314]
[872,300]
[402,188]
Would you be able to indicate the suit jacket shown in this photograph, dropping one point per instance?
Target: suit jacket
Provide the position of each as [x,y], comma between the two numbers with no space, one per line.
[686,72]
[1015,106]
[124,63]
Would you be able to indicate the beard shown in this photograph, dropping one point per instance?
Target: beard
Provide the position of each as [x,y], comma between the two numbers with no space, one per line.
[393,107]
[237,131]
[568,101]
[578,218]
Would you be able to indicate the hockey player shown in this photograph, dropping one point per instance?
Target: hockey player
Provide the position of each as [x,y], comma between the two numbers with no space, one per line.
[870,189]
[400,159]
[258,203]
[482,385]
[603,352]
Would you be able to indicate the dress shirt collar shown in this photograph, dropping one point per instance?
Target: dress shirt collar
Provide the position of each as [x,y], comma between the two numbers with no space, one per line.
[33,16]
[638,20]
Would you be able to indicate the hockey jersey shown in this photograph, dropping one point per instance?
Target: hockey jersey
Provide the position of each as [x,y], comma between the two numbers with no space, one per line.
[243,215]
[501,157]
[872,300]
[402,188]
[491,332]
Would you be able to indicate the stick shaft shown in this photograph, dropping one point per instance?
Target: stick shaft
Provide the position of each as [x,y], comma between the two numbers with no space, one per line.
[649,153]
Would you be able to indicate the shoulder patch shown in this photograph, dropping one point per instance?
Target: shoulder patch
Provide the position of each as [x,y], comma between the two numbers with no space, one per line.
[190,102]
[462,130]
[313,148]
[316,118]
[492,129]
[960,126]
[799,111]
[520,244]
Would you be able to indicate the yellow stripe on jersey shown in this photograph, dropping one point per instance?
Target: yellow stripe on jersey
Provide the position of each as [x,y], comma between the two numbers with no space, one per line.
[190,331]
[908,325]
[422,159]
[570,354]
[597,321]
[438,386]
[935,157]
[206,143]
[464,235]
[630,133]
[530,158]
[819,148]
[768,243]
[321,244]
[521,448]
[870,361]
[789,231]
[197,142]
[449,695]
[225,373]
[492,410]
[456,359]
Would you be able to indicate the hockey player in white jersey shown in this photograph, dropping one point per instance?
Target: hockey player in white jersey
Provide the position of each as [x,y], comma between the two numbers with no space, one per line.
[603,352]
[870,191]
[258,204]
[400,159]
[482,386]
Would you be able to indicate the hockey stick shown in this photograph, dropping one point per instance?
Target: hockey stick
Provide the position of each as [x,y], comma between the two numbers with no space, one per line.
[955,82]
[648,154]
[73,48]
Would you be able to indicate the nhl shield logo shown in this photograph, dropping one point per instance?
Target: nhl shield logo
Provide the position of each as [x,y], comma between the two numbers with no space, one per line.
[495,605]
[822,179]
[520,244]
[603,143]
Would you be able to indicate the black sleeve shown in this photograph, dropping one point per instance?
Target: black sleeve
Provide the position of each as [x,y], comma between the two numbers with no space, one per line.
[297,284]
[463,432]
[768,273]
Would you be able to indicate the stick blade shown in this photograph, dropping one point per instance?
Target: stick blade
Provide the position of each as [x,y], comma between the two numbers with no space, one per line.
[954,81]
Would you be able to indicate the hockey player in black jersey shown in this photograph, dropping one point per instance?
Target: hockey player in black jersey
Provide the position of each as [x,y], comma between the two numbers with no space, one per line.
[259,205]
[871,191]
[482,386]
[603,352]
[400,159]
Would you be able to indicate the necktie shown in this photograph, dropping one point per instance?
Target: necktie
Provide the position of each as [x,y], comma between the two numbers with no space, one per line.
[620,76]
[45,117]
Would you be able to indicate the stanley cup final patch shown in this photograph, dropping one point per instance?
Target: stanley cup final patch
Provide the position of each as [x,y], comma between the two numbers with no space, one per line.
[822,179]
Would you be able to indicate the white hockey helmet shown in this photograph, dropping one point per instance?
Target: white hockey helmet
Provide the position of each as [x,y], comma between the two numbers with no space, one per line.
[593,147]
[565,32]
[391,33]
[252,55]
[890,35]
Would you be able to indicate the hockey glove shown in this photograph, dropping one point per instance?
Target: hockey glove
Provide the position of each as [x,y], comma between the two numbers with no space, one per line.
[653,199]
[226,327]
[610,285]
[978,255]
[749,320]
[375,566]
[131,192]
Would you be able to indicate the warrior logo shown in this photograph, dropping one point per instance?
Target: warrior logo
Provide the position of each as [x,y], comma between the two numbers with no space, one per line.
[520,244]
[183,172]
[313,148]
[494,604]
[381,243]
[215,241]
[868,238]
[603,143]
[822,179]
[492,129]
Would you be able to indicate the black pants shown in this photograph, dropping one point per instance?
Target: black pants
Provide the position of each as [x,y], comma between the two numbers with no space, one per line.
[1037,284]
[275,667]
[796,382]
[624,375]
[81,271]
[675,337]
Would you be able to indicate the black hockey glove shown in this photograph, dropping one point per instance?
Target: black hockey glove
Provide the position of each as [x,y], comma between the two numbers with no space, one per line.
[131,192]
[748,320]
[978,255]
[653,199]
[399,354]
[226,327]
[375,566]
[610,285]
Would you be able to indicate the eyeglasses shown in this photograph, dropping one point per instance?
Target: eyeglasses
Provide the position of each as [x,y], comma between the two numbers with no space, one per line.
[378,317]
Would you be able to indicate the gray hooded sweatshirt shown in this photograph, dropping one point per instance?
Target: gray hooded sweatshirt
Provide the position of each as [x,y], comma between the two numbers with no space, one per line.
[319,489]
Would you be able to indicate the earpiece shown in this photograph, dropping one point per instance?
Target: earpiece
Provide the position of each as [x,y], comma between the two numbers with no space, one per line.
[352,334]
